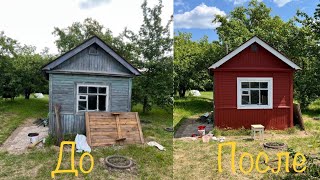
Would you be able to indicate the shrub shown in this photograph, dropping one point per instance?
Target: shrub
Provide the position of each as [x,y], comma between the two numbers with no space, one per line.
[216,132]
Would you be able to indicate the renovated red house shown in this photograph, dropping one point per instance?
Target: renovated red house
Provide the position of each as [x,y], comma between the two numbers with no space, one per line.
[253,85]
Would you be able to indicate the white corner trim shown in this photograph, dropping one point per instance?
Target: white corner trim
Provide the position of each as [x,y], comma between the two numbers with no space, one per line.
[269,80]
[248,43]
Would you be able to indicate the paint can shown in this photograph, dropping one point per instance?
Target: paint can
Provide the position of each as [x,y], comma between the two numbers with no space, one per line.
[34,137]
[202,130]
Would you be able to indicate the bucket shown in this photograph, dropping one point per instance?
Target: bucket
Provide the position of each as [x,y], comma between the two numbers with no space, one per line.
[202,130]
[34,137]
[201,127]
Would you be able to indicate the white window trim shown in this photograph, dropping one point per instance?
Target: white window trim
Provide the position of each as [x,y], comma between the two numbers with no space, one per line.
[269,80]
[92,85]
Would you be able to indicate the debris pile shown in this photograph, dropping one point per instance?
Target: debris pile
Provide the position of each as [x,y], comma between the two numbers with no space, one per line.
[206,118]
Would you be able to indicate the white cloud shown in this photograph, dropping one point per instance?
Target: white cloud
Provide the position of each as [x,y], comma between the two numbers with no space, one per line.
[240,2]
[32,22]
[87,4]
[200,17]
[281,3]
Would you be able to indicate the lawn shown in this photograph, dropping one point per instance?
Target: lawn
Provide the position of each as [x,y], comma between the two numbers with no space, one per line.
[38,163]
[191,106]
[195,159]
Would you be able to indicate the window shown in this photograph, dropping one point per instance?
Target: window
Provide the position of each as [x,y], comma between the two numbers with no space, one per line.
[254,93]
[92,98]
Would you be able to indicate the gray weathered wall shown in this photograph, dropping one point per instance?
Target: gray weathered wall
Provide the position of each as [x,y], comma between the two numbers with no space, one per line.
[63,92]
[85,62]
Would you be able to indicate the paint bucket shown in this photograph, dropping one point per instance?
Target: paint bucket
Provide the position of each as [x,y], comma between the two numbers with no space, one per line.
[202,130]
[33,137]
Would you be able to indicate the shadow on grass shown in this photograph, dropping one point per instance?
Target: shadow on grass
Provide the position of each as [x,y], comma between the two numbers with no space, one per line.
[190,106]
[194,105]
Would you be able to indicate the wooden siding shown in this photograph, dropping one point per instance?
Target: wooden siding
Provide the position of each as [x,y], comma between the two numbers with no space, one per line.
[227,114]
[262,59]
[253,64]
[63,91]
[85,62]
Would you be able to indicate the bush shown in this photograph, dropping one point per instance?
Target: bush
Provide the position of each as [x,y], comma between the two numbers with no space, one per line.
[216,132]
[51,139]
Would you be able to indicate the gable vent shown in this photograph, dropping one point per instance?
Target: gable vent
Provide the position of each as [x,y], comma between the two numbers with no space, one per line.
[254,48]
[93,50]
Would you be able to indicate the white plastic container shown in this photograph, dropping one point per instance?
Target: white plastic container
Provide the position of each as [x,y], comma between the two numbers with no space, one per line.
[202,132]
[34,137]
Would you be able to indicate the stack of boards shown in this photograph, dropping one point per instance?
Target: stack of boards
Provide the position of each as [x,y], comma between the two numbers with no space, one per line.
[108,128]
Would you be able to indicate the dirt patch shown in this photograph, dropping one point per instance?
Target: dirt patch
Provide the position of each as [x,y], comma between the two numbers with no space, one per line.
[189,127]
[18,141]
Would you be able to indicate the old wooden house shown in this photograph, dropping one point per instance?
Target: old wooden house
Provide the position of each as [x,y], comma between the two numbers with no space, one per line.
[90,77]
[253,85]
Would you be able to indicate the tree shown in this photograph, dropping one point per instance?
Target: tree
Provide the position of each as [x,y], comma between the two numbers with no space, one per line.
[153,46]
[307,81]
[191,62]
[20,68]
[75,34]
[28,71]
[8,78]
[298,43]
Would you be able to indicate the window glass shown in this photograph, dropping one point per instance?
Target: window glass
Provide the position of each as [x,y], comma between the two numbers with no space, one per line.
[91,98]
[83,97]
[245,92]
[244,85]
[82,89]
[254,84]
[102,90]
[92,102]
[82,105]
[254,92]
[263,85]
[102,103]
[245,100]
[93,90]
[264,97]
[254,96]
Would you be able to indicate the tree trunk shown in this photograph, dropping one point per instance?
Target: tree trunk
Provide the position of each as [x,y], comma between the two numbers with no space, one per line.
[145,104]
[27,92]
[182,91]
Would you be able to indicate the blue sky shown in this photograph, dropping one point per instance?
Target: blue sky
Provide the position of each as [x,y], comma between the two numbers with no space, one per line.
[195,16]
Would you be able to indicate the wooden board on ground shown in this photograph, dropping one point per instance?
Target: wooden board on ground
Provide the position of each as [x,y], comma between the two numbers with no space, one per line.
[108,128]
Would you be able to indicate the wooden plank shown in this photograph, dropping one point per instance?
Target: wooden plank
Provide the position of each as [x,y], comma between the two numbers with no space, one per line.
[88,129]
[104,128]
[139,127]
[118,125]
[111,126]
[108,123]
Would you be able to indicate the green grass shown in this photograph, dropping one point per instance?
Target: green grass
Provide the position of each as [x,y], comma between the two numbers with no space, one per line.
[13,113]
[313,109]
[194,159]
[191,106]
[38,163]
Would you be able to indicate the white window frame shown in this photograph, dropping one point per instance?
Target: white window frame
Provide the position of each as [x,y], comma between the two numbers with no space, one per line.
[86,95]
[269,80]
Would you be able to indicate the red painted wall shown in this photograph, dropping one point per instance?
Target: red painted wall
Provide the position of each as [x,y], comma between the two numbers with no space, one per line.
[253,64]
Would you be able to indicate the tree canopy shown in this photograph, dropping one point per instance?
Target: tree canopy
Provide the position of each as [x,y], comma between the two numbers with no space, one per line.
[297,38]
